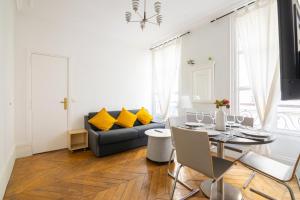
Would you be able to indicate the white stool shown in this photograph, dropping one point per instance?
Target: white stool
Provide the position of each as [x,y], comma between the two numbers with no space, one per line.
[159,145]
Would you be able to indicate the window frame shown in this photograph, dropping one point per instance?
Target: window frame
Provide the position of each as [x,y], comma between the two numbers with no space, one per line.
[237,104]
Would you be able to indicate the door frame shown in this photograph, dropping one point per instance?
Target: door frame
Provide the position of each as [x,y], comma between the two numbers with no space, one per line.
[28,109]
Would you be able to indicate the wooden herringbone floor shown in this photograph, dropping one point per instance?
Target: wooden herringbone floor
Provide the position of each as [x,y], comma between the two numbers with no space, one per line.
[126,176]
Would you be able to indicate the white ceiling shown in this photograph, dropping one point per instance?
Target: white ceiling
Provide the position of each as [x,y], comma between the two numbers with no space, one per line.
[107,16]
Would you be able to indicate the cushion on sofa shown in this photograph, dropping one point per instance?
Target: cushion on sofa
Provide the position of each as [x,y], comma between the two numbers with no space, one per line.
[118,135]
[143,128]
[144,116]
[126,118]
[102,120]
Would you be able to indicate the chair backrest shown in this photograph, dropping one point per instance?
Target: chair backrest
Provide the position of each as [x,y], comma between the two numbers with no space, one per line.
[193,150]
[248,121]
[191,117]
[175,122]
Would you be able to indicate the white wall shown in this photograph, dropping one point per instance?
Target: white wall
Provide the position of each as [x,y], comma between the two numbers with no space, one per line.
[7,144]
[104,71]
[210,40]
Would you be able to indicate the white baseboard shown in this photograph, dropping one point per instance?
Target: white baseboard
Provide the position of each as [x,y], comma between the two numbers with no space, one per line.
[23,150]
[5,174]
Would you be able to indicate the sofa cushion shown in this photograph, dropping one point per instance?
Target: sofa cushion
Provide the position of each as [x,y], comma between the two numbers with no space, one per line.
[114,114]
[118,135]
[143,116]
[126,118]
[102,120]
[141,129]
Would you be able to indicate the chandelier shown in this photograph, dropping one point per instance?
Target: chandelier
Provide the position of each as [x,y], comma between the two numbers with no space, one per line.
[143,18]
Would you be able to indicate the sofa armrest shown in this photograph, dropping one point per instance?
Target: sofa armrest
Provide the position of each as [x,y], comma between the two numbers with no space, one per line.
[94,137]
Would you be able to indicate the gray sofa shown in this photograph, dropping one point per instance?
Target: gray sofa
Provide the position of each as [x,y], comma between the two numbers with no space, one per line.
[117,139]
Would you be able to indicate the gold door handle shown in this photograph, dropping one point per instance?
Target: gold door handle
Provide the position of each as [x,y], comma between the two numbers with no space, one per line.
[65,102]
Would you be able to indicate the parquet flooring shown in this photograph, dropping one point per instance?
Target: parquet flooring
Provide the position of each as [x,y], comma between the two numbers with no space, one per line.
[124,176]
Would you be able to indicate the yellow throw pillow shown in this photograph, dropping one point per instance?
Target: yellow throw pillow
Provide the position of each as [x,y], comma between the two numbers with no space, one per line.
[103,120]
[143,116]
[126,119]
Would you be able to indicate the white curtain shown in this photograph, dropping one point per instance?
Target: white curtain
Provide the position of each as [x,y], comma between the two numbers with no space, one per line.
[166,62]
[257,32]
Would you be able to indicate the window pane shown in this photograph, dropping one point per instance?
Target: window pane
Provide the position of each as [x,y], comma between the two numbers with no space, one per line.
[246,97]
[243,75]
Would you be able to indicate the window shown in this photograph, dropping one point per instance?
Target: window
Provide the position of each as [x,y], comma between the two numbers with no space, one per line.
[166,66]
[288,112]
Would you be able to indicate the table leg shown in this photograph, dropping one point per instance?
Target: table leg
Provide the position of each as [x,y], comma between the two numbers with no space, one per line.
[221,190]
[220,183]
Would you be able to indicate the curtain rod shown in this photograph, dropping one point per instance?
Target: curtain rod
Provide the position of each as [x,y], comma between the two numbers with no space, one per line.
[170,40]
[229,13]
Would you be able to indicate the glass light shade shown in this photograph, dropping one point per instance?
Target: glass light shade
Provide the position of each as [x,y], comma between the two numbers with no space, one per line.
[157,7]
[143,25]
[159,19]
[135,5]
[128,16]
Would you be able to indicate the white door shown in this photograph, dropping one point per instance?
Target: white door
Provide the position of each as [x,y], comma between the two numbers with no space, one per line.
[49,112]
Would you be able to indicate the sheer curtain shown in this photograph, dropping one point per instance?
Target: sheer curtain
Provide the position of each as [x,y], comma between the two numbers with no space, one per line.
[257,31]
[166,62]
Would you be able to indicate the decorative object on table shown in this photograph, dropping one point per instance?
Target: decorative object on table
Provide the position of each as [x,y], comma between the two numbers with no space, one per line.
[220,115]
[191,62]
[144,18]
[77,139]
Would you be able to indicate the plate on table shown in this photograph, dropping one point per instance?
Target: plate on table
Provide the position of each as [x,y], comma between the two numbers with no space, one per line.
[254,133]
[193,124]
[210,132]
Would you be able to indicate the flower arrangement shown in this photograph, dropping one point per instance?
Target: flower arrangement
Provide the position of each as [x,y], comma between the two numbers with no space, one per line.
[221,103]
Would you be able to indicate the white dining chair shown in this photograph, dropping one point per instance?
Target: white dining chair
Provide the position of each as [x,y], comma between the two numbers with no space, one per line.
[193,151]
[272,169]
[175,121]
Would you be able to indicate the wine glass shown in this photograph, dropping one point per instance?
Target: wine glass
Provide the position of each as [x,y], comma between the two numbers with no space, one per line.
[230,120]
[240,119]
[199,117]
[213,118]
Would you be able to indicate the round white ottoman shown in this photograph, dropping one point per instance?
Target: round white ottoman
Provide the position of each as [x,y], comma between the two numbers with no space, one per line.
[159,145]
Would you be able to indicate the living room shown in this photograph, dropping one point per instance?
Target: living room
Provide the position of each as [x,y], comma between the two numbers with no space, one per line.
[95,95]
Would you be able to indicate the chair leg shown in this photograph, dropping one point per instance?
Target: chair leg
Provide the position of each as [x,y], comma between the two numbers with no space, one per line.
[211,189]
[172,175]
[271,198]
[175,181]
[248,181]
[290,190]
[170,160]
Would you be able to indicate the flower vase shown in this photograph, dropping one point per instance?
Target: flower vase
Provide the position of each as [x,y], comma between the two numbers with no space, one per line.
[220,120]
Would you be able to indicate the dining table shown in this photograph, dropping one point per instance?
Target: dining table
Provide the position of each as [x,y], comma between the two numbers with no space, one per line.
[234,136]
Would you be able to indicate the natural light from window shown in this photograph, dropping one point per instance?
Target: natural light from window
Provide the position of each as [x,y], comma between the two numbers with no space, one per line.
[288,112]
